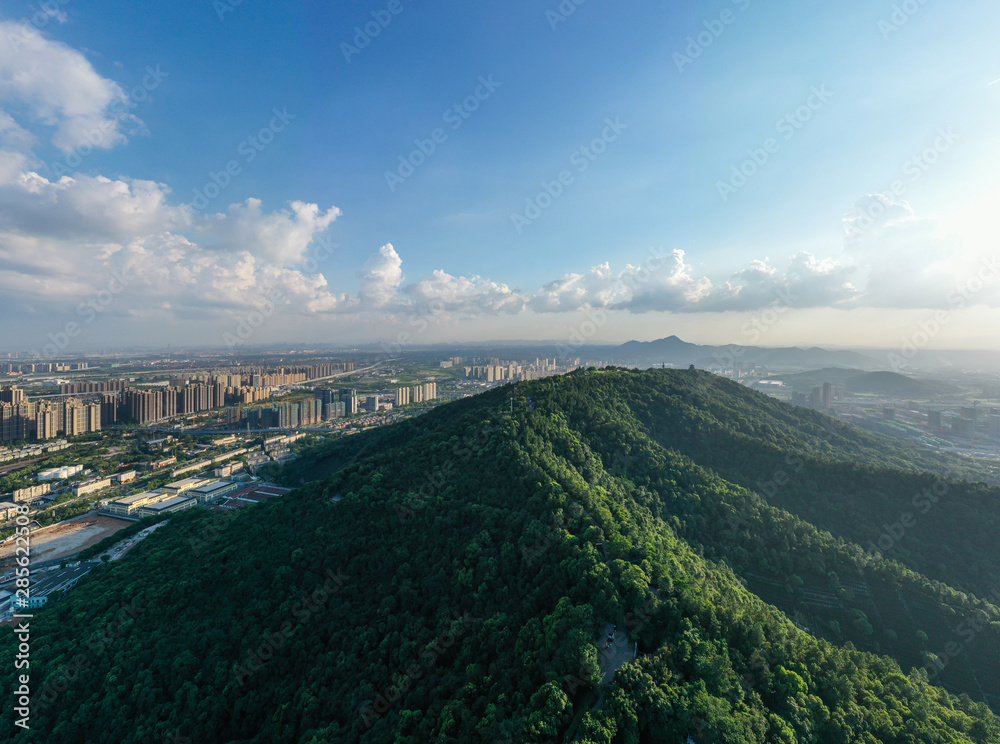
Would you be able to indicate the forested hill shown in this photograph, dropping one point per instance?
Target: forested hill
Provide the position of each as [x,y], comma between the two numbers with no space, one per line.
[454,578]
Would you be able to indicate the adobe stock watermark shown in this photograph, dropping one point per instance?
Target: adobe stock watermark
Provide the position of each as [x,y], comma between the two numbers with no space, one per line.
[701,41]
[587,677]
[320,249]
[562,12]
[770,316]
[539,538]
[39,19]
[758,157]
[88,310]
[926,330]
[913,169]
[901,14]
[541,541]
[98,642]
[304,610]
[597,317]
[454,117]
[581,159]
[207,535]
[224,7]
[966,632]
[757,326]
[641,617]
[420,322]
[364,35]
[781,477]
[741,519]
[923,502]
[247,325]
[403,682]
[249,149]
[98,137]
[438,477]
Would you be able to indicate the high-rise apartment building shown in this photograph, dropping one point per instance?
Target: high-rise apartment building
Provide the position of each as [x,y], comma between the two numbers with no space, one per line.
[170,400]
[17,421]
[109,410]
[100,386]
[144,406]
[47,422]
[48,419]
[13,395]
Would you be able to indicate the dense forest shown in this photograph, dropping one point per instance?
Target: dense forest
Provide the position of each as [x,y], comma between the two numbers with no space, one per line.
[608,556]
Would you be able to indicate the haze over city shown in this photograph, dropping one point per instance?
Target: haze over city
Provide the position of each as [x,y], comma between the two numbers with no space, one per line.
[371,168]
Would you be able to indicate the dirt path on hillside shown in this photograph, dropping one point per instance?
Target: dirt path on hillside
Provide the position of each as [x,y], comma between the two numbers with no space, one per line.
[613,656]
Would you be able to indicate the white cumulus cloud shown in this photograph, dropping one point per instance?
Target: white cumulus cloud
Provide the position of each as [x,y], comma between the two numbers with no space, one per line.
[58,88]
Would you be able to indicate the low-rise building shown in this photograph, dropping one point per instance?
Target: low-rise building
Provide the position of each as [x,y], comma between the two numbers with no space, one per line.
[191,467]
[125,476]
[181,486]
[165,462]
[8,510]
[167,506]
[275,442]
[257,458]
[60,581]
[66,471]
[32,493]
[130,505]
[91,486]
[228,469]
[32,450]
[229,455]
[213,489]
[19,602]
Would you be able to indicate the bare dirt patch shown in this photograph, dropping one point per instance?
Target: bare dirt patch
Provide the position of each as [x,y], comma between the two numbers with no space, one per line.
[64,539]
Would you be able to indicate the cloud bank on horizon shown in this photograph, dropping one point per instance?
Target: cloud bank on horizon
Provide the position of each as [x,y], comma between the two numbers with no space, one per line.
[188,273]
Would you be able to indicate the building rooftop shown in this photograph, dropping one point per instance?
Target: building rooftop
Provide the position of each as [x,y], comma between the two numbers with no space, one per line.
[212,485]
[168,503]
[139,497]
[184,485]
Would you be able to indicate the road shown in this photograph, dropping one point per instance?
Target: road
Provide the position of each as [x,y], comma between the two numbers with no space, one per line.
[7,469]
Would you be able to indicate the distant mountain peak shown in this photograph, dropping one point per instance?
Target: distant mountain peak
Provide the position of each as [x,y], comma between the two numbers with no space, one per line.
[676,351]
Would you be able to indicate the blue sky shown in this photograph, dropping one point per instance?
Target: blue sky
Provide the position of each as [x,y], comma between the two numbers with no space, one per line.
[834,101]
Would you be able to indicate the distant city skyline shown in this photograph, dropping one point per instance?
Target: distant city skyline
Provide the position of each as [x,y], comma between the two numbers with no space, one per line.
[231,174]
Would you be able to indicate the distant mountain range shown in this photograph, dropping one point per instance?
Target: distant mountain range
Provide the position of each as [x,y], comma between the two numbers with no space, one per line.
[676,352]
[876,383]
